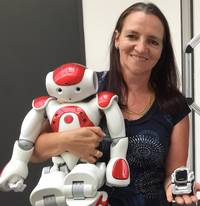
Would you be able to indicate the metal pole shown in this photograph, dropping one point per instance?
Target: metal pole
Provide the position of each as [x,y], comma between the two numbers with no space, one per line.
[187,69]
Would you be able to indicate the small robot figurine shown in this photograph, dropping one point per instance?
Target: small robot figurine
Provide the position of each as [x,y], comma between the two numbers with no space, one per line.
[69,181]
[182,181]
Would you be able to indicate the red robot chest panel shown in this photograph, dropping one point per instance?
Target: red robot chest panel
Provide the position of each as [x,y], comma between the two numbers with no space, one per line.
[84,120]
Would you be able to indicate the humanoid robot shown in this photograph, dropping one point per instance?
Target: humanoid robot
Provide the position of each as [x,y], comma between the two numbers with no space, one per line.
[69,181]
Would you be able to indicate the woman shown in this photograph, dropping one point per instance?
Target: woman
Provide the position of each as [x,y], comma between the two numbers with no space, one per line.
[142,65]
[143,75]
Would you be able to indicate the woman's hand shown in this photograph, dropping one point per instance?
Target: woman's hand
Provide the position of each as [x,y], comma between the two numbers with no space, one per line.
[82,142]
[182,199]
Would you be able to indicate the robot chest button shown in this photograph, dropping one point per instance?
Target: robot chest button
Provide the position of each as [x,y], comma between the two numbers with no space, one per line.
[68,119]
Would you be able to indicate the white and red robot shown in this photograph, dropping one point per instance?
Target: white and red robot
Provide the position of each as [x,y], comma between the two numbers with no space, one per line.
[69,181]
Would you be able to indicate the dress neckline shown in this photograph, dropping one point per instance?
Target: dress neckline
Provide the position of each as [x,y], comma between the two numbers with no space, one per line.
[146,116]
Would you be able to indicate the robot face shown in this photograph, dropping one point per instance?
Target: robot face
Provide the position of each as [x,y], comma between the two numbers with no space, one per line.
[71,83]
[181,176]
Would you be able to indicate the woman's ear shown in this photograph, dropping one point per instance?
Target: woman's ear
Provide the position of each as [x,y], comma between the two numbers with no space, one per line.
[117,39]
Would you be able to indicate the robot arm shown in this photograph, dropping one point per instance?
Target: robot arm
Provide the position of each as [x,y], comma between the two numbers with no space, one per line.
[117,172]
[16,170]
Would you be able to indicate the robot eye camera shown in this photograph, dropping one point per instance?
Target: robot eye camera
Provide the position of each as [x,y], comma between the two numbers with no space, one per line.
[182,181]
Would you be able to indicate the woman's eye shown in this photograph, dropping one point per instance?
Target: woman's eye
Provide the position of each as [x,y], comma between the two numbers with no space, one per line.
[153,42]
[132,36]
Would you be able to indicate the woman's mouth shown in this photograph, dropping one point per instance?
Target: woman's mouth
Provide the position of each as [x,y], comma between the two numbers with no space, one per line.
[139,57]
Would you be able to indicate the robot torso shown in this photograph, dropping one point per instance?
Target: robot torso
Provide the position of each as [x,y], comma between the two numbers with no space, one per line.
[72,115]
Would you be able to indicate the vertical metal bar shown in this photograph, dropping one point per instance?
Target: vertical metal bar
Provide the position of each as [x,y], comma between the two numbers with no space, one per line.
[187,69]
[186,35]
[187,75]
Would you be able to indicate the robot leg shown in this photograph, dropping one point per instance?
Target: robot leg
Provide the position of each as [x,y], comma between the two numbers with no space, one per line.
[82,184]
[101,199]
[50,188]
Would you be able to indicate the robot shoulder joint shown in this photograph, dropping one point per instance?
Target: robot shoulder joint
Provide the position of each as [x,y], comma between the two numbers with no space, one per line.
[105,99]
[41,102]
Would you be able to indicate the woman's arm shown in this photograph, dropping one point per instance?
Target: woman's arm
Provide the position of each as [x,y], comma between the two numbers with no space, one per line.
[178,150]
[177,157]
[82,142]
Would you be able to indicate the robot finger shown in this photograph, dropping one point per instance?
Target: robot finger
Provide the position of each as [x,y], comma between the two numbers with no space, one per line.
[18,186]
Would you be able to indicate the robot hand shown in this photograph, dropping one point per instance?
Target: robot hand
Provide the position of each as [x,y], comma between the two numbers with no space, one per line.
[117,171]
[13,176]
[182,181]
[14,173]
[18,186]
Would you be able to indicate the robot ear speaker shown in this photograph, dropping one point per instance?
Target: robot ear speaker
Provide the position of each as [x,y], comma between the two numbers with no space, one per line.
[95,81]
[94,78]
[91,79]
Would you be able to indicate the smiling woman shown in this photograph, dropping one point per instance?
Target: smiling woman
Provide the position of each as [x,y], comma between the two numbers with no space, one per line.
[139,43]
[140,46]
[143,74]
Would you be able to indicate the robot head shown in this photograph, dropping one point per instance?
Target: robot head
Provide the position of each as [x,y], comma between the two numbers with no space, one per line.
[71,82]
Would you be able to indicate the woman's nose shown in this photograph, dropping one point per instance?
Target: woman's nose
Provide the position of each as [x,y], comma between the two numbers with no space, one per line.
[141,46]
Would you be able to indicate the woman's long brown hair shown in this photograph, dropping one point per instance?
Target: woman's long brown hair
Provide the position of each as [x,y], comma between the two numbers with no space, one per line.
[164,77]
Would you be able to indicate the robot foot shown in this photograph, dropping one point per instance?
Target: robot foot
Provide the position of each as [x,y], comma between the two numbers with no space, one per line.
[117,172]
[50,188]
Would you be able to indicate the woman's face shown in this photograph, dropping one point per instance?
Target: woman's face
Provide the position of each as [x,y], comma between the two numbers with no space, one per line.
[140,43]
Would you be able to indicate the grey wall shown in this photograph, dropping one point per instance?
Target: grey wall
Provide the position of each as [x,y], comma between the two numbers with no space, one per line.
[35,37]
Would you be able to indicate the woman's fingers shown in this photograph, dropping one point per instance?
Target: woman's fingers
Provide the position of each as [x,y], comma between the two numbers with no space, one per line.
[187,199]
[197,186]
[93,157]
[84,142]
[97,154]
[169,193]
[181,199]
[99,132]
[194,198]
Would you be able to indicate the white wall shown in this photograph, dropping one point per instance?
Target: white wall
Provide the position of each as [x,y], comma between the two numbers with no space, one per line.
[100,17]
[197,86]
